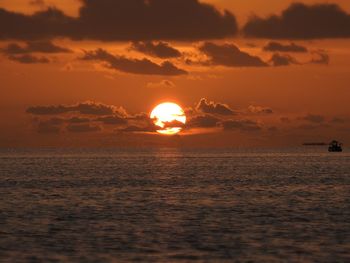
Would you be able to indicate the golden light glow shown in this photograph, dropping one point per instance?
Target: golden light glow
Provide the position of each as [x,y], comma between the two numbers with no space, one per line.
[167,116]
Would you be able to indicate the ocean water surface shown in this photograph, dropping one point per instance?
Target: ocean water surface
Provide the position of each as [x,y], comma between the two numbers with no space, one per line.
[174,205]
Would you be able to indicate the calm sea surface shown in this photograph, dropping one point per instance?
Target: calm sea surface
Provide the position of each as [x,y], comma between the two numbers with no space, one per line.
[172,205]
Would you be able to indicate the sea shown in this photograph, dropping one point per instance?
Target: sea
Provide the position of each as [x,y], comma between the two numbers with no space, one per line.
[174,205]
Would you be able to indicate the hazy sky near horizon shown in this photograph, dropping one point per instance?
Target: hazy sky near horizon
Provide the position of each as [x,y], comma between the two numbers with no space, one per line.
[91,77]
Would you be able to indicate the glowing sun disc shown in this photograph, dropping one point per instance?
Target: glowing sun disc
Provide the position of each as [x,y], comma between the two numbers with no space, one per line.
[169,117]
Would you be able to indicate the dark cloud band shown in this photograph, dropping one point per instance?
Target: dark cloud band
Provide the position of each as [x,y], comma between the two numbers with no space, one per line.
[120,20]
[301,21]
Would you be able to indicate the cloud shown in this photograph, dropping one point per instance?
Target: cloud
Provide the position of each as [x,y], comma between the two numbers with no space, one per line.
[159,50]
[120,20]
[49,126]
[134,66]
[82,128]
[173,124]
[278,60]
[241,125]
[93,108]
[214,108]
[34,47]
[93,117]
[106,115]
[140,117]
[162,84]
[139,129]
[337,120]
[78,120]
[135,129]
[113,120]
[140,123]
[230,56]
[55,121]
[259,110]
[48,110]
[321,58]
[301,21]
[285,120]
[273,129]
[85,108]
[278,47]
[312,126]
[203,121]
[29,59]
[314,118]
[41,25]
[145,124]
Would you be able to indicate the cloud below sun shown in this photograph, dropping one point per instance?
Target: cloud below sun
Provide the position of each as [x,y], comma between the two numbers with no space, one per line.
[206,117]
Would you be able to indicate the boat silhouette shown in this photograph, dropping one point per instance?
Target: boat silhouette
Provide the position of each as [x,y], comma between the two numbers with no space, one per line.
[335,146]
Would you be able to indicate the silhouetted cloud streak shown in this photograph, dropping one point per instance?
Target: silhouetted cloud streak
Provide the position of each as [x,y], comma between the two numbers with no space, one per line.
[314,118]
[83,128]
[160,49]
[34,47]
[29,59]
[85,108]
[259,110]
[241,125]
[48,128]
[229,55]
[203,121]
[78,120]
[112,120]
[279,47]
[162,84]
[133,66]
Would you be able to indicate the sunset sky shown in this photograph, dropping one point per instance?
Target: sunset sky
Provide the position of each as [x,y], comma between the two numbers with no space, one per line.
[87,73]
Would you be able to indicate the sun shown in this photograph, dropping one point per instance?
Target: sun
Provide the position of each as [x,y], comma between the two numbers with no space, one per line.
[169,117]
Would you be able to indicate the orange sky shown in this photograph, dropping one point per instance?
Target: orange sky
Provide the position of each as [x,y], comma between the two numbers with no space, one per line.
[308,101]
